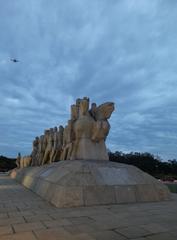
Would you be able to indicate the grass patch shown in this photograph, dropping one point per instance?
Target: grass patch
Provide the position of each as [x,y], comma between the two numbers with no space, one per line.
[172,187]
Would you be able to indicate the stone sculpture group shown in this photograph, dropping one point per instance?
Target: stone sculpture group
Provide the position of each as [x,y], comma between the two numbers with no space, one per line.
[83,138]
[85,179]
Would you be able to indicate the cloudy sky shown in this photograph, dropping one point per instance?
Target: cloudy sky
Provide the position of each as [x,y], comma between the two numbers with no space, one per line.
[123,51]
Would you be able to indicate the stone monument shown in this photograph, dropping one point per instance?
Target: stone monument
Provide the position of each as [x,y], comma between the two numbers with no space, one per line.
[83,138]
[83,176]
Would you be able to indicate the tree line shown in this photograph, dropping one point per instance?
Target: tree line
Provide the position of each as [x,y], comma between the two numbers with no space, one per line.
[148,163]
[7,163]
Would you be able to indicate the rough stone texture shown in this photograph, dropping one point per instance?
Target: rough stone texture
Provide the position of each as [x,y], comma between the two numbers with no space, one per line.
[83,138]
[85,183]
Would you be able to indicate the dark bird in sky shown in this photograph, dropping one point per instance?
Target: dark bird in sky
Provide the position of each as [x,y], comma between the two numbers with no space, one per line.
[14,60]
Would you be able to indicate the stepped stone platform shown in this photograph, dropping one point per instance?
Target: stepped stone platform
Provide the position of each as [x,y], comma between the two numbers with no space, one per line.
[76,183]
[26,216]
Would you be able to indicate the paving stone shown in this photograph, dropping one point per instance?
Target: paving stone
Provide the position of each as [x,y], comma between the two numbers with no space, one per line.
[55,223]
[3,215]
[83,236]
[154,228]
[107,224]
[25,227]
[133,232]
[162,236]
[5,230]
[37,219]
[13,220]
[53,234]
[19,236]
[81,220]
[107,235]
[141,238]
[21,213]
[82,228]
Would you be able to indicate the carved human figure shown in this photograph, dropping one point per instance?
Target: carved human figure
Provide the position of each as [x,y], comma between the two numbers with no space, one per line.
[54,146]
[92,111]
[67,141]
[58,143]
[82,146]
[69,135]
[78,100]
[25,161]
[74,112]
[21,162]
[41,150]
[35,151]
[49,145]
[18,160]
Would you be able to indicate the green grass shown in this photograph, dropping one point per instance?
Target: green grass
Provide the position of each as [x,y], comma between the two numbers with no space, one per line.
[172,187]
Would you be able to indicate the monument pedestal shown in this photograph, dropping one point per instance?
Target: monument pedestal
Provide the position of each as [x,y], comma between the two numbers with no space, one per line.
[85,183]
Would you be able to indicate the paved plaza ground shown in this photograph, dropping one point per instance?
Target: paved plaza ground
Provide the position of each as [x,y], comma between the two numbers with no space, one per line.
[25,216]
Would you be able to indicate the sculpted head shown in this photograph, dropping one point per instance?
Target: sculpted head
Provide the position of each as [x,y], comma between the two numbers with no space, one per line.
[78,100]
[84,106]
[69,123]
[93,106]
[46,133]
[74,112]
[41,137]
[104,111]
[93,109]
[55,129]
[36,139]
[61,128]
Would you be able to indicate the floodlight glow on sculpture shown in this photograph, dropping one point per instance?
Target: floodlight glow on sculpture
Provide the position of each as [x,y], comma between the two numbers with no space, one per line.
[83,138]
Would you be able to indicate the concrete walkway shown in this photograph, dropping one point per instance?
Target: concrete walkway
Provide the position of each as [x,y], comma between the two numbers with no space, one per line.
[25,216]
